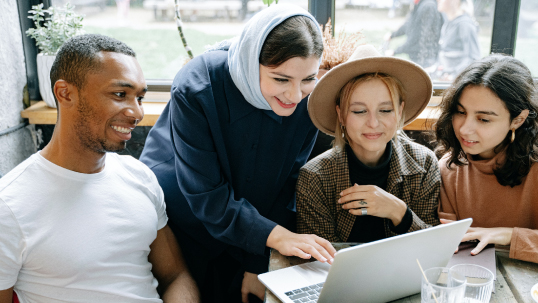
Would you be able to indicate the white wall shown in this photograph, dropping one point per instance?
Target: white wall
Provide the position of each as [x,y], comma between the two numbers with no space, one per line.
[19,145]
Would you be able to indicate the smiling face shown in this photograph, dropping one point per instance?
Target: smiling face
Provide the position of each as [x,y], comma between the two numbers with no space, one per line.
[284,86]
[110,103]
[482,121]
[370,120]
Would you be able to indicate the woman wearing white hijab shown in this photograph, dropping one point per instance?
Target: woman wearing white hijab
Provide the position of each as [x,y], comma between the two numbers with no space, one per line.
[228,147]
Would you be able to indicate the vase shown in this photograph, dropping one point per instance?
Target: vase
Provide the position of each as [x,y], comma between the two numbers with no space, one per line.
[44,64]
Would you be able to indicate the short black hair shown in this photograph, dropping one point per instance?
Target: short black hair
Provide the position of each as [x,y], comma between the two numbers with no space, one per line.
[78,56]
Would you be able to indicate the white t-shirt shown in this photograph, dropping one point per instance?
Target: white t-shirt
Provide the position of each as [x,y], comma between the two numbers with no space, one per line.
[72,237]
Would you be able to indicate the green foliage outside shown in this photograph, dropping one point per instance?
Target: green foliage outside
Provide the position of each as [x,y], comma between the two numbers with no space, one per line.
[159,51]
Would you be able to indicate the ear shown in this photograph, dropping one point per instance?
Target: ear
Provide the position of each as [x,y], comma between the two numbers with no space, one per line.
[339,115]
[66,93]
[518,121]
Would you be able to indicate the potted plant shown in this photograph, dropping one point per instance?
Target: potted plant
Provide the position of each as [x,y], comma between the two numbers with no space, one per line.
[53,26]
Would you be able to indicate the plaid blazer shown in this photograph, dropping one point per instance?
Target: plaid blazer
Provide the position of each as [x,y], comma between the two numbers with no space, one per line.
[414,178]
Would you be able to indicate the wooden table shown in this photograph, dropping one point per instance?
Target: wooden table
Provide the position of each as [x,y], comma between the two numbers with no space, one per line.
[514,278]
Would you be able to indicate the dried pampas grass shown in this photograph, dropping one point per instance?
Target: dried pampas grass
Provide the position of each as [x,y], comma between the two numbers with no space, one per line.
[338,50]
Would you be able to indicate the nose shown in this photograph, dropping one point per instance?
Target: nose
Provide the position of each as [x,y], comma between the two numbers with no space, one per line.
[467,127]
[294,94]
[134,110]
[372,121]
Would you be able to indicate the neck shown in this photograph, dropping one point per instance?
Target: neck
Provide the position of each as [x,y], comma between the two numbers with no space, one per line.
[368,158]
[63,151]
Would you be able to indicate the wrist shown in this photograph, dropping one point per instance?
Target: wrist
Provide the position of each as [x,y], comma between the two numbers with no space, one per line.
[399,213]
[275,236]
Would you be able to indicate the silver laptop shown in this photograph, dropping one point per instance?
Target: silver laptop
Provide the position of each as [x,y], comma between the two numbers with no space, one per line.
[379,271]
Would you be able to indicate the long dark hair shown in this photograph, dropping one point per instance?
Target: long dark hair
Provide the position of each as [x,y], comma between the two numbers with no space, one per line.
[297,36]
[512,82]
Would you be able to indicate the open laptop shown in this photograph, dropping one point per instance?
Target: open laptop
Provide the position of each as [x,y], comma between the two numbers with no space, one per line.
[379,271]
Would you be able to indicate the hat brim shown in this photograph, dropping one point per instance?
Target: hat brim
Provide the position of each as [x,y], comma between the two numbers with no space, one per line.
[416,84]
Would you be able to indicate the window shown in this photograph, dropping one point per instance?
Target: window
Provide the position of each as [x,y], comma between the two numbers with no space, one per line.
[152,32]
[148,26]
[527,35]
[443,36]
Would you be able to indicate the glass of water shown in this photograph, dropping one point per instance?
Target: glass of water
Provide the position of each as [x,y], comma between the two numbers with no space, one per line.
[479,282]
[443,286]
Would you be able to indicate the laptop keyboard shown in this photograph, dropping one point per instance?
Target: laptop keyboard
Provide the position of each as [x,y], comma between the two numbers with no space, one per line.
[305,294]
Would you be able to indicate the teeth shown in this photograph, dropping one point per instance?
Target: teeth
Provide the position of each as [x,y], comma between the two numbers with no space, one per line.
[122,130]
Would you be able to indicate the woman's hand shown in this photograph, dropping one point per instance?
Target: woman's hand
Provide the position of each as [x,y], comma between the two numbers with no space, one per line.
[485,236]
[251,285]
[377,202]
[495,235]
[302,246]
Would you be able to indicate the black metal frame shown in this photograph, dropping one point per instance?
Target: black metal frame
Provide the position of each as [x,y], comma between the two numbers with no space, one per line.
[505,21]
[503,38]
[29,45]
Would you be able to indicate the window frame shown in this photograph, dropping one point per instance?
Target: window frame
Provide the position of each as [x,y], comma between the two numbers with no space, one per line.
[504,34]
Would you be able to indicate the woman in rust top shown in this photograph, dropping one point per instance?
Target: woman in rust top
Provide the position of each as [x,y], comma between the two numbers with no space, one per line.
[487,132]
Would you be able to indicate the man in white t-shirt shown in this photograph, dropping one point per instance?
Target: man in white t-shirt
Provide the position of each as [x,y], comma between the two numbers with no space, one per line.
[79,224]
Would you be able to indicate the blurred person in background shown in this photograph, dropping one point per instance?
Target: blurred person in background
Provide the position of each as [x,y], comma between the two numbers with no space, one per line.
[458,45]
[423,29]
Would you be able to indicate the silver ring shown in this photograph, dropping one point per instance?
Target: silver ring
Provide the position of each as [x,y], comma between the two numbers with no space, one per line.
[364,211]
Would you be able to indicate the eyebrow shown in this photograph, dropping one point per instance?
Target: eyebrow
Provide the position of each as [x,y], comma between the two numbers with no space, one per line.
[289,77]
[362,103]
[128,85]
[483,112]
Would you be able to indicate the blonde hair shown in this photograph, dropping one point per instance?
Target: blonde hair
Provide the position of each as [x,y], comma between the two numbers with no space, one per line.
[343,99]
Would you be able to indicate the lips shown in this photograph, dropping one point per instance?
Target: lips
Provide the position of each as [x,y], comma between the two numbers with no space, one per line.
[123,132]
[468,143]
[285,105]
[372,136]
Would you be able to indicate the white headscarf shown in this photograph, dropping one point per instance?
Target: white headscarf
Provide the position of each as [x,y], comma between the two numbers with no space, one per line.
[244,52]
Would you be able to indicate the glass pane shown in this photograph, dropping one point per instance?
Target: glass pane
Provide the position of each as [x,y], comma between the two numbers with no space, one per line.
[527,35]
[148,27]
[442,36]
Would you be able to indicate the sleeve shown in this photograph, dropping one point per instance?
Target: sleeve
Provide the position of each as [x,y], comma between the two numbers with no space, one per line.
[446,197]
[194,130]
[11,247]
[160,207]
[402,30]
[424,38]
[524,244]
[424,206]
[314,216]
[404,225]
[259,264]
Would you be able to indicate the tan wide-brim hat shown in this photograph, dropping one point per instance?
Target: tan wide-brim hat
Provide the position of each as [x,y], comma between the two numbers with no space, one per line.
[366,59]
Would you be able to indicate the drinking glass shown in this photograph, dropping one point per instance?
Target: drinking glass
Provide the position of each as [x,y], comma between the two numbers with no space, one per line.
[446,287]
[479,282]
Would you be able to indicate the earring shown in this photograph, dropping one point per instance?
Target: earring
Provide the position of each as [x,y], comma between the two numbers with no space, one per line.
[513,135]
[343,129]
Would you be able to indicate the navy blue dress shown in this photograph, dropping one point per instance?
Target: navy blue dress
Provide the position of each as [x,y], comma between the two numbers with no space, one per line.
[228,170]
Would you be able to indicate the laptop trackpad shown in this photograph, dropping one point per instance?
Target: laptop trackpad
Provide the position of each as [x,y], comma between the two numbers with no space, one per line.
[298,276]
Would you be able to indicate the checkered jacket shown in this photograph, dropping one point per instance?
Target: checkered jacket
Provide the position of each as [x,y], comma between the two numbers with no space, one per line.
[413,177]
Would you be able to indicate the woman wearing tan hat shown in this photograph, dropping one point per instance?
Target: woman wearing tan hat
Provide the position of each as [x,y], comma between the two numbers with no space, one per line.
[375,183]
